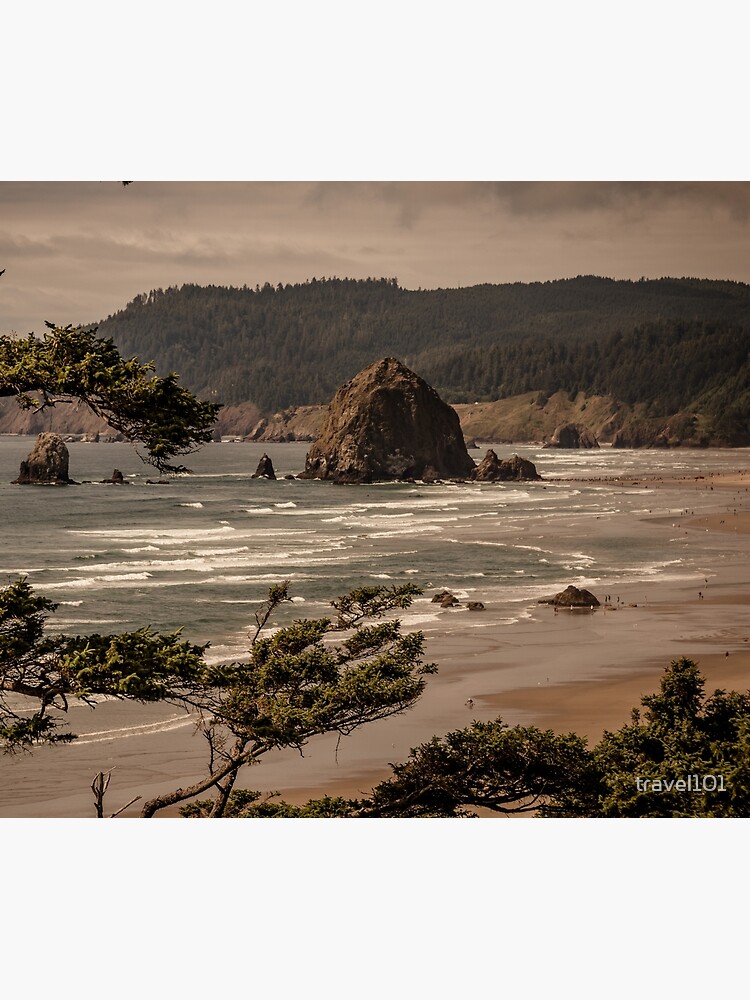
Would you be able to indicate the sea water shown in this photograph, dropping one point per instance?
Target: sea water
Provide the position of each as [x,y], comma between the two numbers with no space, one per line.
[201,551]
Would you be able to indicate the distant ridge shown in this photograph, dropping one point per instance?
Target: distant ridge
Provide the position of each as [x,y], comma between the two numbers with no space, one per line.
[668,345]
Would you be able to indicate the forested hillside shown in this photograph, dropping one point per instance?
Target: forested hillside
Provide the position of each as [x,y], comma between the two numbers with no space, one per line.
[671,344]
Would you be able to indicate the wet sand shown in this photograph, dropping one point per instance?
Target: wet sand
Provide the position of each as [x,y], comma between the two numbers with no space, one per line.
[570,671]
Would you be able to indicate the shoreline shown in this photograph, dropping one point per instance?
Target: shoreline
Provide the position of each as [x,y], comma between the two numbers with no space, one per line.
[580,672]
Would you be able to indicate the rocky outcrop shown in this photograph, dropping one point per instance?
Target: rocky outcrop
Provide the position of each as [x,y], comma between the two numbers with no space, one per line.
[385,424]
[572,436]
[572,597]
[440,595]
[47,464]
[492,470]
[117,478]
[265,469]
[475,606]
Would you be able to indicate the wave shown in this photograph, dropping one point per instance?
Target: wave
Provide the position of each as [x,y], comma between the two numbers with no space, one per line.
[95,581]
[416,530]
[147,729]
[67,622]
[198,504]
[291,503]
[152,534]
[222,552]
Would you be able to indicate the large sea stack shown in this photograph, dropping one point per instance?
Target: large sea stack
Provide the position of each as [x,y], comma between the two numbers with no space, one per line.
[388,424]
[47,463]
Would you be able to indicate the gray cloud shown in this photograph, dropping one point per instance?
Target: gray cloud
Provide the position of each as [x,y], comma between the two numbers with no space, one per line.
[76,252]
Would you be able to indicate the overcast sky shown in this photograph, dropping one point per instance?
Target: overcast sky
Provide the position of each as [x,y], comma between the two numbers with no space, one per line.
[76,252]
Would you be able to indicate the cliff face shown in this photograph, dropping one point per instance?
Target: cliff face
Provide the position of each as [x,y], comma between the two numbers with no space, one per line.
[387,423]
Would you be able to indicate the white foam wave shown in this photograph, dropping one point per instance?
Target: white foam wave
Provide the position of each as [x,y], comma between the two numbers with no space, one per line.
[96,581]
[164,726]
[151,535]
[222,552]
[190,505]
[291,503]
[416,530]
[67,622]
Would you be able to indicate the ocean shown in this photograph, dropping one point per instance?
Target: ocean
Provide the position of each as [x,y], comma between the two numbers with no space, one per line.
[201,552]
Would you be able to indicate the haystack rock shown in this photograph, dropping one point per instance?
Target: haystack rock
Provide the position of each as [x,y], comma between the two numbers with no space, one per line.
[387,423]
[47,464]
[572,436]
[492,470]
[265,469]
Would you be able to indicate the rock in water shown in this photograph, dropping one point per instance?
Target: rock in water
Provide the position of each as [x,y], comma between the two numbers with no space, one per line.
[387,423]
[492,470]
[117,478]
[47,464]
[572,436]
[265,469]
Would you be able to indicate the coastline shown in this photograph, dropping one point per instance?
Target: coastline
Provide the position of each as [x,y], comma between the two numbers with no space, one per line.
[570,671]
[604,699]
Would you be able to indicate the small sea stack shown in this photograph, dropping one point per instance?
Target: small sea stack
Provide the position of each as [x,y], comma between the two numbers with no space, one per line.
[572,597]
[117,478]
[47,464]
[265,469]
[492,470]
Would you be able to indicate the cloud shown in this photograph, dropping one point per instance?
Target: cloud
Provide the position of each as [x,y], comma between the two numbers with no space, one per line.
[80,251]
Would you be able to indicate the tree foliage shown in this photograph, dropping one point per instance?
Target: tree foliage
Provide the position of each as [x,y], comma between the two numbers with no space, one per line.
[40,672]
[678,735]
[335,674]
[674,343]
[312,677]
[73,363]
[315,676]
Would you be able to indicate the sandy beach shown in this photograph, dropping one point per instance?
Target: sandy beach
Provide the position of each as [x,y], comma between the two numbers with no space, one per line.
[567,671]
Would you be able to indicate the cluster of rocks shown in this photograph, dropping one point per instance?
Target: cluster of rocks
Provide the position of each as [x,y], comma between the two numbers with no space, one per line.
[492,470]
[385,424]
[448,600]
[388,424]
